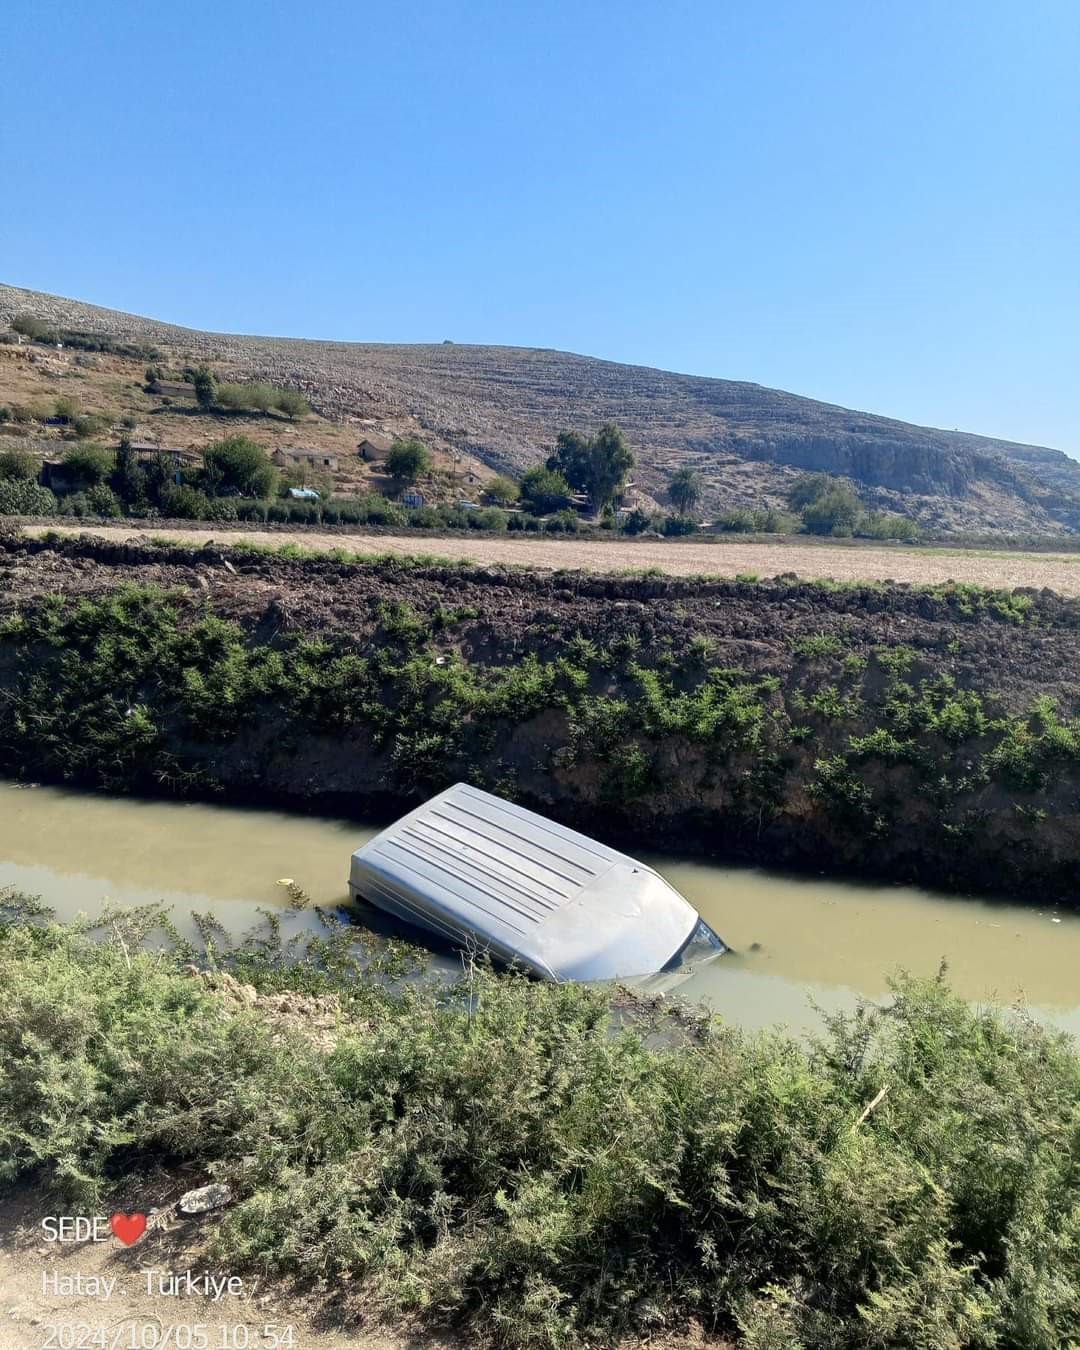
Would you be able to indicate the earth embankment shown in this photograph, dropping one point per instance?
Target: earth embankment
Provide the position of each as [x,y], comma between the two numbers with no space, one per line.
[923,734]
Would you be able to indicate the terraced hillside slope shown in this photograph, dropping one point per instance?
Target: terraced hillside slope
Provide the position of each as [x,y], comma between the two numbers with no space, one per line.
[505,405]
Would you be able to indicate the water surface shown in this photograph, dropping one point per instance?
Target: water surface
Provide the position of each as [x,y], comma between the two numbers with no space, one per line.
[796,942]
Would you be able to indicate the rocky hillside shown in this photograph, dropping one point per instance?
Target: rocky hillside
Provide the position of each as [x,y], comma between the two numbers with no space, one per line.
[504,405]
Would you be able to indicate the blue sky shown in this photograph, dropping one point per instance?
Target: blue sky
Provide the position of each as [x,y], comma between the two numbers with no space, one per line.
[870,202]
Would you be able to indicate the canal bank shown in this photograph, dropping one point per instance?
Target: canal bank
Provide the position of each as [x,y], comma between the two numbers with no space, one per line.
[924,737]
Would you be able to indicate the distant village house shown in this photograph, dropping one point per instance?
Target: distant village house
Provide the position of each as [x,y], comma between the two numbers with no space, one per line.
[323,460]
[373,448]
[180,459]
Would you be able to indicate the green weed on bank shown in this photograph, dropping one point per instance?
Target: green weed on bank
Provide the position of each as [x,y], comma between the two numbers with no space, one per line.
[141,689]
[524,1165]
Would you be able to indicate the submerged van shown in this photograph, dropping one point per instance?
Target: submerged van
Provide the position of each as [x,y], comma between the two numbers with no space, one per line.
[486,874]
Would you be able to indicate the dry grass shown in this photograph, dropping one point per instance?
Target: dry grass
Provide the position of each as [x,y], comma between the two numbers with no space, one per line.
[728,558]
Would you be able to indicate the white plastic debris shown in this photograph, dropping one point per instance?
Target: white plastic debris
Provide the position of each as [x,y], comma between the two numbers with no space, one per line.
[214,1196]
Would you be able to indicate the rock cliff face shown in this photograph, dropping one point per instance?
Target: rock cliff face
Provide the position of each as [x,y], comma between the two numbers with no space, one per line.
[507,404]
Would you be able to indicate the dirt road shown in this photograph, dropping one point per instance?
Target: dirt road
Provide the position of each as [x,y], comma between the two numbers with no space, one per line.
[1060,572]
[99,1293]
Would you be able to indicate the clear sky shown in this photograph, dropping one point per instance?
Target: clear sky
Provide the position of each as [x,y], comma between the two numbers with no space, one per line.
[874,202]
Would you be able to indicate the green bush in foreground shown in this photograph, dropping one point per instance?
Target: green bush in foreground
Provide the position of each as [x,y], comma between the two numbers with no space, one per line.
[522,1162]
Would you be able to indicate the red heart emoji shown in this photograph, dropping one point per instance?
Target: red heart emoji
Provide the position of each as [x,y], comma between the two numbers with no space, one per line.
[128,1228]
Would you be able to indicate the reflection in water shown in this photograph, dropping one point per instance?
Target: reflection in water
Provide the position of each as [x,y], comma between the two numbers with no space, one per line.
[796,942]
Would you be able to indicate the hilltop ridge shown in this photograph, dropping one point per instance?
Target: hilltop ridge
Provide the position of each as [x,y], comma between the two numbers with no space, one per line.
[503,406]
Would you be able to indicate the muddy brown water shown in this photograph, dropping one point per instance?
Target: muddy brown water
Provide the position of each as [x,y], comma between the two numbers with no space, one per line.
[800,945]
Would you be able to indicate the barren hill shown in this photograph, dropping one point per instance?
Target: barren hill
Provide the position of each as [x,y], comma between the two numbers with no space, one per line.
[505,405]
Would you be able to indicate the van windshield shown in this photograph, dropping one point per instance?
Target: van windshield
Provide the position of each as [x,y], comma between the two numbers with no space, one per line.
[701,944]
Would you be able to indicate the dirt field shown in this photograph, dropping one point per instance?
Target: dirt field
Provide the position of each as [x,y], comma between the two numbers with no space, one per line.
[1058,572]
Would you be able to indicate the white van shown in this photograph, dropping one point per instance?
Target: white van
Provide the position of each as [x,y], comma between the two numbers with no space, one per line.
[486,874]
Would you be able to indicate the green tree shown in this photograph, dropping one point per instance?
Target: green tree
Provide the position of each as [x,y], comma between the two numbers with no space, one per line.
[261,396]
[239,464]
[407,459]
[67,408]
[129,478]
[835,512]
[20,465]
[103,501]
[827,505]
[231,396]
[203,383]
[545,490]
[807,488]
[598,466]
[611,460]
[502,489]
[888,525]
[89,464]
[685,489]
[185,502]
[159,476]
[572,459]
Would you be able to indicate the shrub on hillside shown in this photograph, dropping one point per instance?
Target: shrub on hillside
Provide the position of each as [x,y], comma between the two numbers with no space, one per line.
[203,387]
[24,497]
[103,501]
[544,490]
[17,463]
[86,425]
[32,327]
[292,403]
[233,397]
[502,490]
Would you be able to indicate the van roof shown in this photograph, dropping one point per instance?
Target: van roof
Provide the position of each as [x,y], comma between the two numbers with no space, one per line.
[470,864]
